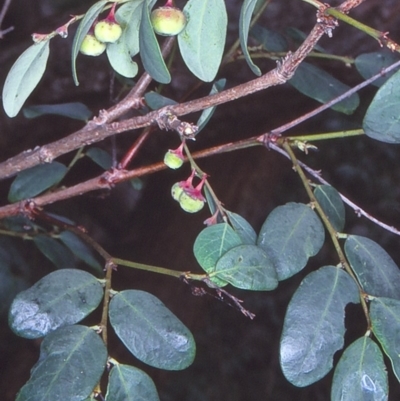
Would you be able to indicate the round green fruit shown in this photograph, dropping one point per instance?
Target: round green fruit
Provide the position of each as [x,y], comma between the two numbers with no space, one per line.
[168,21]
[91,46]
[189,203]
[107,31]
[176,191]
[172,160]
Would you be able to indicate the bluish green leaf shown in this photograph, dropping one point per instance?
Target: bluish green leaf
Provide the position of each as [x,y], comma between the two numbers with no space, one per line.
[290,236]
[321,86]
[120,59]
[72,360]
[376,271]
[202,41]
[127,383]
[299,37]
[75,110]
[272,41]
[150,331]
[360,374]
[211,244]
[382,120]
[313,329]
[150,52]
[246,13]
[100,157]
[332,204]
[56,252]
[83,28]
[59,299]
[247,267]
[23,77]
[206,114]
[369,64]
[35,180]
[385,320]
[243,228]
[80,249]
[156,101]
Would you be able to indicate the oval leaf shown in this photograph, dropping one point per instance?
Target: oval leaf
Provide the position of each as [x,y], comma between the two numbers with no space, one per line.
[385,320]
[290,235]
[382,120]
[321,86]
[150,52]
[247,267]
[376,271]
[120,59]
[156,101]
[127,383]
[272,41]
[313,329]
[150,331]
[332,204]
[61,298]
[75,110]
[35,180]
[100,157]
[211,244]
[23,77]
[246,13]
[71,362]
[202,41]
[243,228]
[360,374]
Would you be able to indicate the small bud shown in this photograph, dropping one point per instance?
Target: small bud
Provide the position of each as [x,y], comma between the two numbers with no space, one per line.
[91,46]
[107,31]
[168,21]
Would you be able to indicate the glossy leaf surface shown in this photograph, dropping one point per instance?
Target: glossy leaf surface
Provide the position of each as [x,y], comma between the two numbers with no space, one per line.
[127,383]
[35,180]
[374,268]
[75,110]
[332,205]
[290,235]
[360,374]
[385,319]
[150,331]
[61,298]
[313,329]
[24,76]
[71,362]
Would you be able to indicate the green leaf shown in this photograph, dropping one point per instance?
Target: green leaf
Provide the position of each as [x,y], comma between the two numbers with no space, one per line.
[246,12]
[120,59]
[150,52]
[23,77]
[127,383]
[272,41]
[369,64]
[75,110]
[298,36]
[156,101]
[202,41]
[376,272]
[360,374]
[291,234]
[100,157]
[385,320]
[206,114]
[59,299]
[57,253]
[332,205]
[247,267]
[382,120]
[83,28]
[80,249]
[35,180]
[150,331]
[211,244]
[321,86]
[313,329]
[243,228]
[71,362]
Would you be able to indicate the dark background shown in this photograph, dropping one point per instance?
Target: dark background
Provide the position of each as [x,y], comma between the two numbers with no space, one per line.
[237,359]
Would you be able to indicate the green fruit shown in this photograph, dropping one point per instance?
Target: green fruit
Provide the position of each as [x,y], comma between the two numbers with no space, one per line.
[91,46]
[189,203]
[107,31]
[168,21]
[176,191]
[172,160]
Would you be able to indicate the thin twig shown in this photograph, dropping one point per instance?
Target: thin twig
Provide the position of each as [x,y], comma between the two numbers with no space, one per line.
[3,13]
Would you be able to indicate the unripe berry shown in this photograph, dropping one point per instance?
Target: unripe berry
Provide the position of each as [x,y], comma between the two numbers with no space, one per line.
[190,203]
[176,191]
[91,46]
[168,21]
[173,159]
[107,31]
